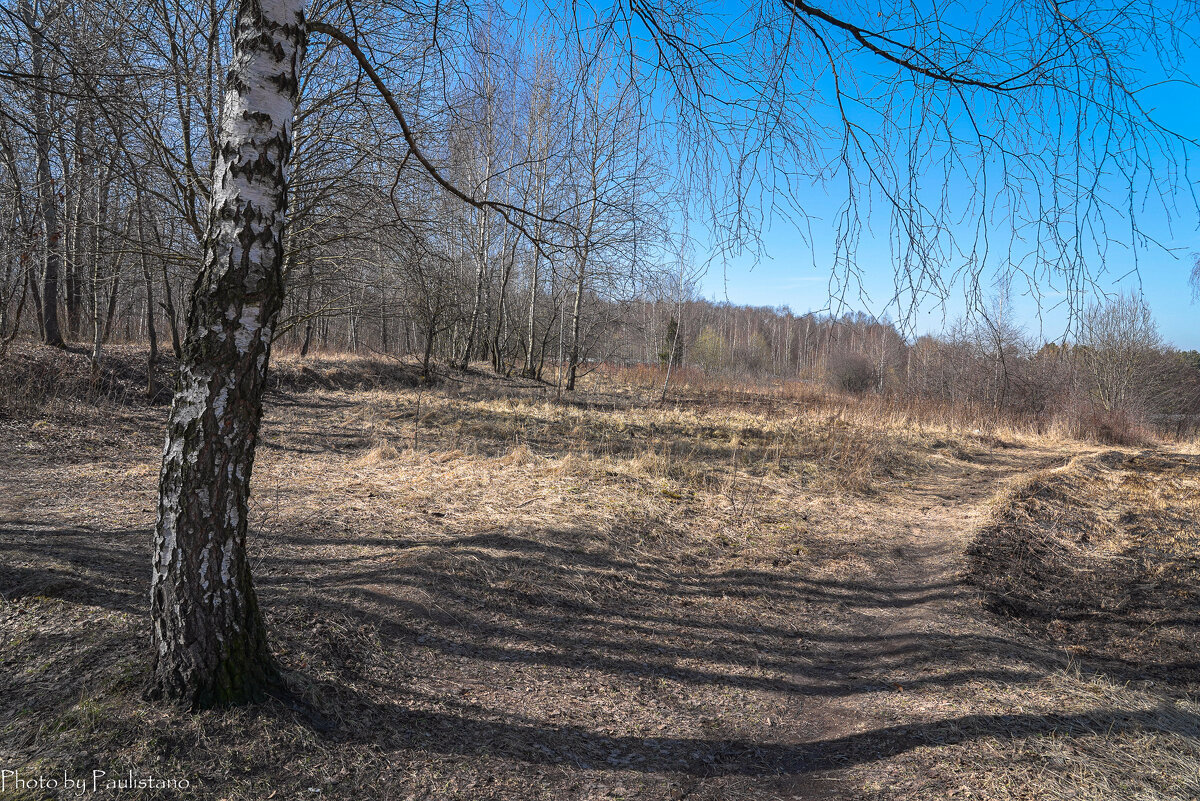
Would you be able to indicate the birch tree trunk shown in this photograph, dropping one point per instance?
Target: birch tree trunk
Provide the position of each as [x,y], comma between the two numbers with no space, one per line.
[481,254]
[210,644]
[531,318]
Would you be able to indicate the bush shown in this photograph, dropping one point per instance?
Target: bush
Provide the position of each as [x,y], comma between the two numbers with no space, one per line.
[1114,428]
[852,372]
[1088,421]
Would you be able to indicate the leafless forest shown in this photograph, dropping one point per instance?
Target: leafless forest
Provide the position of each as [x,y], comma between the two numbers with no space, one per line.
[468,491]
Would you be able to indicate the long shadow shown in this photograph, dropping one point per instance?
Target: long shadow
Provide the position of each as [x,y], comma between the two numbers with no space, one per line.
[545,624]
[467,730]
[638,619]
[97,567]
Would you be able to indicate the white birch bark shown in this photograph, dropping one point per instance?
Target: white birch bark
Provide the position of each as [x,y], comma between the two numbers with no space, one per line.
[208,635]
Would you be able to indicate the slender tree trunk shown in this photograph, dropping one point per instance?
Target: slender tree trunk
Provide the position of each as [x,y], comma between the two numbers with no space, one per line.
[558,373]
[430,335]
[209,640]
[52,335]
[16,320]
[76,250]
[24,246]
[477,305]
[114,293]
[574,357]
[481,252]
[307,339]
[151,333]
[531,319]
[308,325]
[383,302]
[497,352]
[117,262]
[99,238]
[168,305]
[670,362]
[547,333]
[37,307]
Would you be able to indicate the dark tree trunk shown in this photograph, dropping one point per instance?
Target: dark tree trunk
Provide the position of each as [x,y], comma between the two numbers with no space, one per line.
[47,195]
[99,244]
[151,333]
[114,301]
[168,308]
[76,250]
[307,339]
[575,314]
[430,335]
[529,371]
[37,307]
[16,319]
[210,643]
[308,326]
[168,304]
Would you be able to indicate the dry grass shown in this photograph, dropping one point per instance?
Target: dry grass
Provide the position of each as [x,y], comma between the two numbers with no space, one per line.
[41,382]
[1071,734]
[477,591]
[1081,422]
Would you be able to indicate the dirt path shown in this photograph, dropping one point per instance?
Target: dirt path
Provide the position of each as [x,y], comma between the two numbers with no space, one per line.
[910,641]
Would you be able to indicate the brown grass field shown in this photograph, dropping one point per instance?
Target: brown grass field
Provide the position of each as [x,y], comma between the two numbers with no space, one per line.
[481,591]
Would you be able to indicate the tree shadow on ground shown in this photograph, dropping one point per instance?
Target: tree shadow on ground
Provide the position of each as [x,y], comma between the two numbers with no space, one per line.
[478,607]
[84,565]
[466,730]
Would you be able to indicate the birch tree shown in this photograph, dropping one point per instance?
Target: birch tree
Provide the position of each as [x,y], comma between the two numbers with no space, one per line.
[209,640]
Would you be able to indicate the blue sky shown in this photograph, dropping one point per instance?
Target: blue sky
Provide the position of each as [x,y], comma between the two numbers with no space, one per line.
[796,273]
[785,276]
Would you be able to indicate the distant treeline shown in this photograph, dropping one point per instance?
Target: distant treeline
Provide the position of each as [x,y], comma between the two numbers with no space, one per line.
[1116,371]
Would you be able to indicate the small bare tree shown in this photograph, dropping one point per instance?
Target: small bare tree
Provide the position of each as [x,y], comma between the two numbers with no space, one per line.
[1120,349]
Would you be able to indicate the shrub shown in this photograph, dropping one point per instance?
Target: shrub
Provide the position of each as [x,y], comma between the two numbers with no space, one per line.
[852,372]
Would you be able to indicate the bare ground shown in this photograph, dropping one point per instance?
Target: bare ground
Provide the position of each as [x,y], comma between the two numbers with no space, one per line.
[570,601]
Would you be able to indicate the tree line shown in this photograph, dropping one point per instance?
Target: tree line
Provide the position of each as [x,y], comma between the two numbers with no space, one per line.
[108,146]
[1114,368]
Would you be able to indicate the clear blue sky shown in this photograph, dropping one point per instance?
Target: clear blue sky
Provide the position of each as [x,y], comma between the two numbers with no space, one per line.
[796,273]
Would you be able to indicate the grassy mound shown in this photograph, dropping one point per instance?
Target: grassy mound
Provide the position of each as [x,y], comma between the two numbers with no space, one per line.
[1103,559]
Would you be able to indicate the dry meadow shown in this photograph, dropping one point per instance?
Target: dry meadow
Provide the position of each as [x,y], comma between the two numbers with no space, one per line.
[487,589]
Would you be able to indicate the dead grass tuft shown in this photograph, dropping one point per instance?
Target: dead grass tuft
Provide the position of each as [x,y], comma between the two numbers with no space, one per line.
[383,452]
[519,456]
